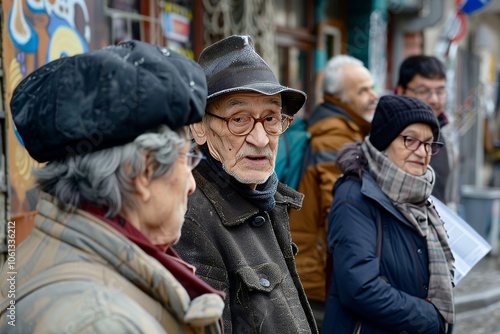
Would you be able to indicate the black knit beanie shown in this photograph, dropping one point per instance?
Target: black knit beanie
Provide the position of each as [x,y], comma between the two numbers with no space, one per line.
[394,113]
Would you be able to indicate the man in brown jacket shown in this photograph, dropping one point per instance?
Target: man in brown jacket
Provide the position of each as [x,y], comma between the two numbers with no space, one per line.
[343,117]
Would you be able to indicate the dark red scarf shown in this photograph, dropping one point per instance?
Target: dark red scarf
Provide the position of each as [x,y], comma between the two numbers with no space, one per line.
[181,270]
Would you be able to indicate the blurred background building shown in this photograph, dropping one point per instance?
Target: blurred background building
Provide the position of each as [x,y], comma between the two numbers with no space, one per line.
[296,38]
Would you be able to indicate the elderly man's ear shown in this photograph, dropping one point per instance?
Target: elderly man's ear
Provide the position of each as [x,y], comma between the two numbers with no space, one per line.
[198,131]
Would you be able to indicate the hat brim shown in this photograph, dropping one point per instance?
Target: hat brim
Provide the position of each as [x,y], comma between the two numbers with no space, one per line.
[292,99]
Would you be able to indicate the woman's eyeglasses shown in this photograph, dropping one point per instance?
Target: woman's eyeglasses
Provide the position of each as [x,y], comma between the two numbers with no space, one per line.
[241,125]
[194,157]
[413,144]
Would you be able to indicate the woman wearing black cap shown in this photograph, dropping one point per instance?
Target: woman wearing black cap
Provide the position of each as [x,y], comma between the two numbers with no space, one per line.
[113,127]
[392,265]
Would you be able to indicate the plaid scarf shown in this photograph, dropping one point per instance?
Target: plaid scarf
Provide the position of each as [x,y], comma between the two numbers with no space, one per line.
[410,195]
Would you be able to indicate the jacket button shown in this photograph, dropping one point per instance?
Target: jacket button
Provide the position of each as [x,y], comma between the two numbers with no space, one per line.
[426,287]
[258,221]
[419,251]
[264,282]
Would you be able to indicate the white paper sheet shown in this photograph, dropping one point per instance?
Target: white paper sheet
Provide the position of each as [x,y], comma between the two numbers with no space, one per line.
[467,246]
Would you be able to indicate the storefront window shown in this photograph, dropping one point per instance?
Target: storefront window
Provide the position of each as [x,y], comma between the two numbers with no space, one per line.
[298,68]
[296,41]
[335,10]
[297,17]
[125,20]
[292,13]
[124,29]
[295,68]
[281,12]
[177,26]
[131,6]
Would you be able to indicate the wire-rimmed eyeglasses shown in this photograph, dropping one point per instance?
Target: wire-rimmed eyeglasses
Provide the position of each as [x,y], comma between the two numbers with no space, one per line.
[194,157]
[413,144]
[426,93]
[242,125]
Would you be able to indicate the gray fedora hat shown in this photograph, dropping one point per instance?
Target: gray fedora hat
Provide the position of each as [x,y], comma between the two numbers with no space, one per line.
[232,65]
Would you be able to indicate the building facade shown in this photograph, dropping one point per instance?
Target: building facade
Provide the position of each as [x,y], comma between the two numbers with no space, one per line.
[295,37]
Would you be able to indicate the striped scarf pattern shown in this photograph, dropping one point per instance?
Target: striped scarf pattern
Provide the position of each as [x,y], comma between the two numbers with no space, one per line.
[410,195]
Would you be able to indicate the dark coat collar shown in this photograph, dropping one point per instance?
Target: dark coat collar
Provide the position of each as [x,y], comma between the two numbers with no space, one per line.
[232,208]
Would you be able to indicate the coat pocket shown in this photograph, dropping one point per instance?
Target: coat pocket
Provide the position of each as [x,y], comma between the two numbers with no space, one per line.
[264,277]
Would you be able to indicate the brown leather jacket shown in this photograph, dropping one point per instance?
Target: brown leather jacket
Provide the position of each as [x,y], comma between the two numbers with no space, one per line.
[332,125]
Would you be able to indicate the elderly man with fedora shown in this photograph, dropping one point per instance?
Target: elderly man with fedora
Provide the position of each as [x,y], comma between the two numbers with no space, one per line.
[236,231]
[112,125]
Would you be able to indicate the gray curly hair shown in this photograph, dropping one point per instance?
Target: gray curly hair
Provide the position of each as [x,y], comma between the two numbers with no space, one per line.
[105,178]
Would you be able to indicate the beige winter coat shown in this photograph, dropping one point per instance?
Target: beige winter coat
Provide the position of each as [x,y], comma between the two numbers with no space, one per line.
[76,274]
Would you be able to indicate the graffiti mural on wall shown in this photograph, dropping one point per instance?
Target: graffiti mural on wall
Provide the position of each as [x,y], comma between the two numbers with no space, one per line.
[36,32]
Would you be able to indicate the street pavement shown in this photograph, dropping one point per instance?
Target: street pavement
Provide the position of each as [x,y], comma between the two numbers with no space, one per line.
[477,299]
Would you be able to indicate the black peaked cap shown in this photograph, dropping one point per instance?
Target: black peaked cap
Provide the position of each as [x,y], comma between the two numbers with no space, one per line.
[97,100]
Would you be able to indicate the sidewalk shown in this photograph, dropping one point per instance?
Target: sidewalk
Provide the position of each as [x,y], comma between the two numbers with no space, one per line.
[480,288]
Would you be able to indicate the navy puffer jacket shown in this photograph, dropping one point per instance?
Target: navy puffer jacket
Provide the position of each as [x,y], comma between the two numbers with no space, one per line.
[381,296]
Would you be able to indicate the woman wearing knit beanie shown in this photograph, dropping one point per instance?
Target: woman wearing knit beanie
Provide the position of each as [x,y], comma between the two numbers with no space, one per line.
[392,264]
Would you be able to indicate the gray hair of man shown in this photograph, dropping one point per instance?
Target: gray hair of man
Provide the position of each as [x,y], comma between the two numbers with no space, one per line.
[333,76]
[105,178]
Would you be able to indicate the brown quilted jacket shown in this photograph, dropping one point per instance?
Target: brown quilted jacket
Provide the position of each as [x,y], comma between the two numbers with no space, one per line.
[332,125]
